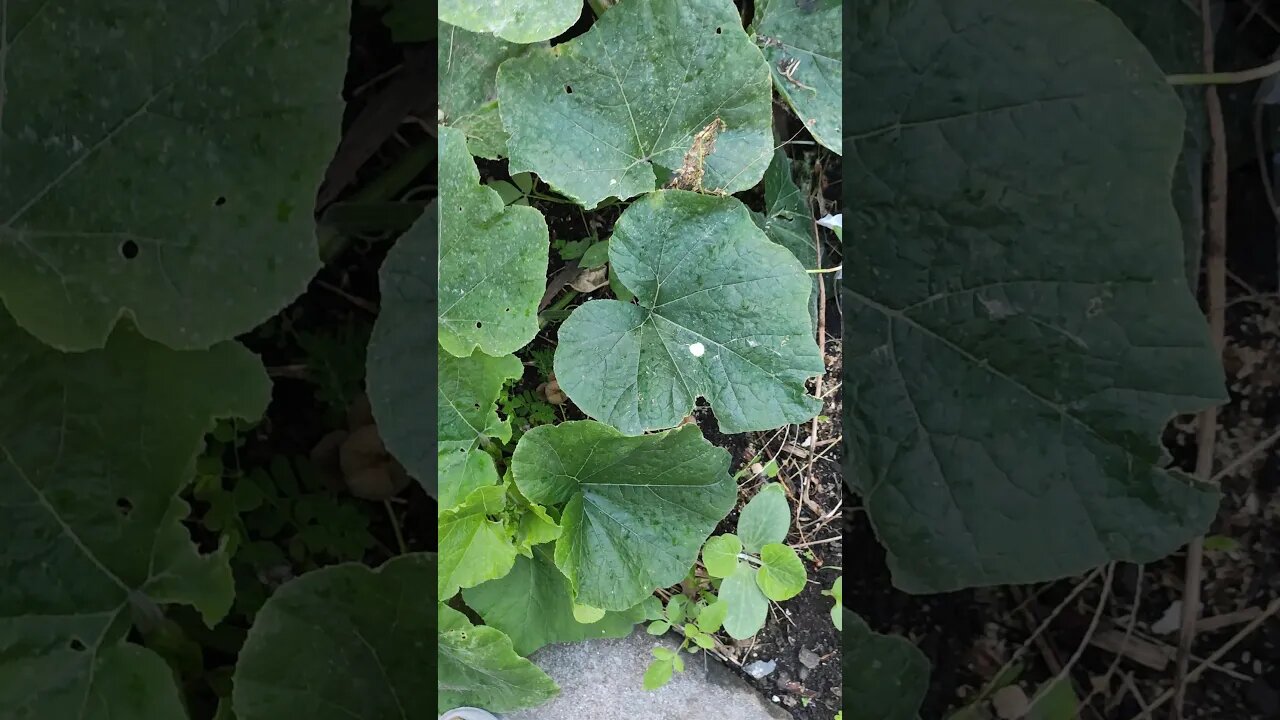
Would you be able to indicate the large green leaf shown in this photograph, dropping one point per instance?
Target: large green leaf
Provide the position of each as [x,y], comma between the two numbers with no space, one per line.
[1172,32]
[637,509]
[595,116]
[341,642]
[788,222]
[467,415]
[722,314]
[94,448]
[468,88]
[533,605]
[1018,325]
[478,667]
[180,191]
[474,547]
[401,377]
[520,21]
[801,41]
[117,680]
[885,677]
[493,260]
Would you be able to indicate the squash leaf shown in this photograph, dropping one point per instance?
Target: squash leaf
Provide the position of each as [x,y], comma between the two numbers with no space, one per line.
[493,260]
[596,116]
[518,21]
[479,667]
[179,194]
[340,642]
[533,605]
[637,509]
[94,448]
[801,41]
[1012,239]
[722,314]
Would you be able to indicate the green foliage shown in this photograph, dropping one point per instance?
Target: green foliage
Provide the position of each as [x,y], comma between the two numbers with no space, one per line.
[335,365]
[520,21]
[753,565]
[1018,329]
[343,611]
[693,260]
[886,674]
[603,114]
[633,520]
[837,593]
[495,312]
[801,41]
[1007,394]
[94,449]
[181,197]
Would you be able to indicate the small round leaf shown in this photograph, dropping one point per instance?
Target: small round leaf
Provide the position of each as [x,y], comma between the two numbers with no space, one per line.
[720,555]
[781,576]
[765,519]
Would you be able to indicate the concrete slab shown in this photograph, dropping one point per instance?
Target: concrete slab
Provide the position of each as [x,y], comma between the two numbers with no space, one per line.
[601,680]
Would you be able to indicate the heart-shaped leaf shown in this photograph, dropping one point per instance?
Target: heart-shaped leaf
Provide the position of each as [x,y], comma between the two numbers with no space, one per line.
[479,667]
[801,41]
[189,174]
[493,260]
[94,448]
[781,575]
[1012,240]
[535,588]
[637,508]
[520,21]
[594,117]
[720,555]
[722,314]
[468,64]
[353,623]
[402,351]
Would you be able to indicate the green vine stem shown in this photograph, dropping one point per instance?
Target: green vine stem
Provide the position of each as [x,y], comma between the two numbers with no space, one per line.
[1227,78]
[395,525]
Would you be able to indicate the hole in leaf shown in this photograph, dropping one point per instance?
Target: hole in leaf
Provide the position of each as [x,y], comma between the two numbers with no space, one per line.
[568,90]
[220,201]
[478,324]
[128,250]
[76,645]
[508,309]
[124,506]
[718,31]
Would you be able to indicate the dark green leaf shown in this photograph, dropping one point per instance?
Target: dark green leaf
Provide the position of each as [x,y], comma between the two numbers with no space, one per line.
[335,644]
[594,117]
[163,165]
[723,315]
[885,677]
[1012,242]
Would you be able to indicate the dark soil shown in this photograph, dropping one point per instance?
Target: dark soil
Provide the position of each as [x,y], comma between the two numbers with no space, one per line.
[799,636]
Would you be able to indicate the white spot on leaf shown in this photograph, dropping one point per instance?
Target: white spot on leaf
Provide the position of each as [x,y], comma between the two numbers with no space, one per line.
[697,349]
